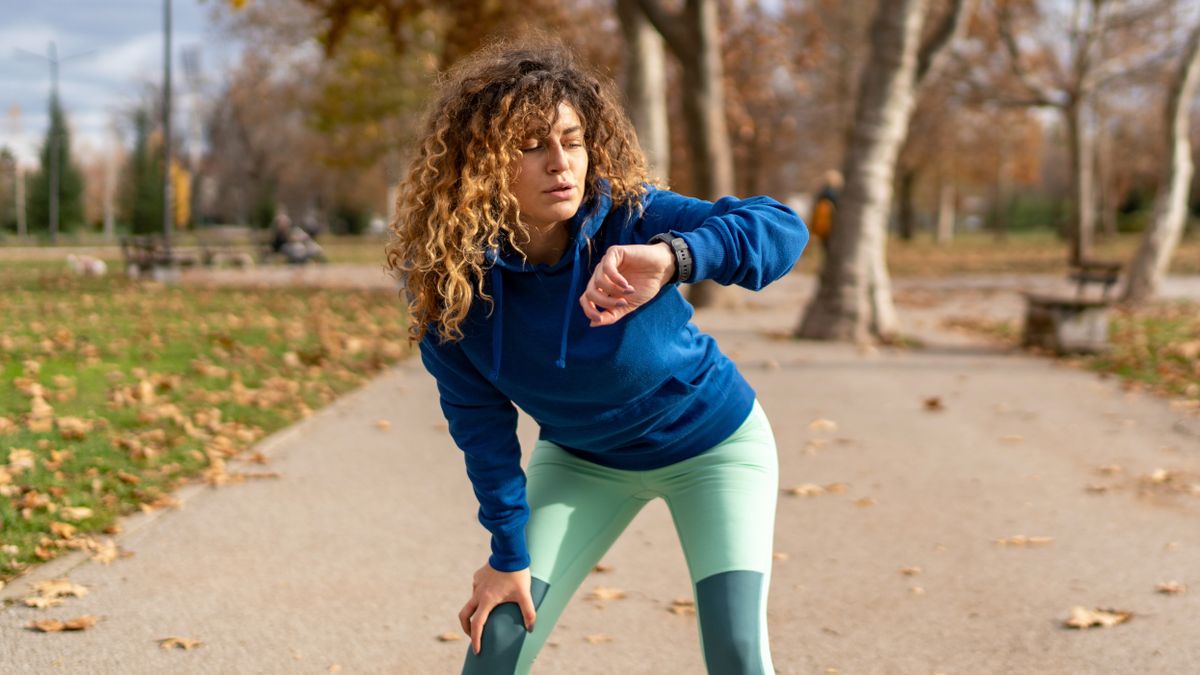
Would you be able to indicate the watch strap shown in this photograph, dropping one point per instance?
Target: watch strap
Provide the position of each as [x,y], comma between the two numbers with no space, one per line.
[683,255]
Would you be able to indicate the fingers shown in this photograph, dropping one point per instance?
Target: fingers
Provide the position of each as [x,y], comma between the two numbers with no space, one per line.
[615,282]
[477,623]
[598,316]
[464,615]
[525,602]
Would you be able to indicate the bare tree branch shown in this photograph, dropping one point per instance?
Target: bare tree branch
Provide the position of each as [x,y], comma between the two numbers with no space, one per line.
[667,25]
[1036,90]
[952,26]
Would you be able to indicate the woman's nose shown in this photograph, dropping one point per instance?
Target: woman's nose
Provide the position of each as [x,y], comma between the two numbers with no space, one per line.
[556,161]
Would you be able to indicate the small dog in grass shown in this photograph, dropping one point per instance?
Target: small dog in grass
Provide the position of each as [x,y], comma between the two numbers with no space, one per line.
[86,265]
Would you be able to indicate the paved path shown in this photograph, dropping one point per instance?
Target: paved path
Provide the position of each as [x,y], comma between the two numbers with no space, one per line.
[361,554]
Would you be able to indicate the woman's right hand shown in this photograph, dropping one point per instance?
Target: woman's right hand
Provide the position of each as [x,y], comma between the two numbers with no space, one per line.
[490,588]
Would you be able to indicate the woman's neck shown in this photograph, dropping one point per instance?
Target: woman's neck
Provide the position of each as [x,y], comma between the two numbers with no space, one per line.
[545,245]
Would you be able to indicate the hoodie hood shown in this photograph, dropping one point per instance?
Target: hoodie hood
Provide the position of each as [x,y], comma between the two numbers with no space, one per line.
[581,227]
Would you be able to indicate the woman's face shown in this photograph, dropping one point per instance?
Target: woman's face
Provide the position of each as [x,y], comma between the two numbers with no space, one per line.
[550,178]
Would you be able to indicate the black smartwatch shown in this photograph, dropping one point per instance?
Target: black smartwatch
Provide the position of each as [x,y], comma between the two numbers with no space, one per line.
[683,256]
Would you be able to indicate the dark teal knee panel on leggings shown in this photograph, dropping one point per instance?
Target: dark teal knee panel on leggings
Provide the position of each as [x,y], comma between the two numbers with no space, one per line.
[503,635]
[729,605]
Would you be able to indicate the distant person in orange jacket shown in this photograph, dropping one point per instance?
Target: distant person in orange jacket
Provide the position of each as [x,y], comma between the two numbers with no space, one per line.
[825,208]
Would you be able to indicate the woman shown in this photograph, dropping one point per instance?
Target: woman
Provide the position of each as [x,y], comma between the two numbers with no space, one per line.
[541,270]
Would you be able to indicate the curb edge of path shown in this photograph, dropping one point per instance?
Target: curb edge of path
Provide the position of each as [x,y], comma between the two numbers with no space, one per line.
[136,522]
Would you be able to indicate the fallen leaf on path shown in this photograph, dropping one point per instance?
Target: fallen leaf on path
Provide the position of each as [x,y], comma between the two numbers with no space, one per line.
[822,425]
[602,593]
[1171,588]
[910,571]
[780,555]
[836,488]
[449,637]
[934,404]
[185,644]
[59,588]
[917,590]
[682,606]
[1022,540]
[383,425]
[865,502]
[335,668]
[55,626]
[597,638]
[1082,617]
[1096,488]
[1159,476]
[1109,469]
[39,602]
[602,567]
[805,490]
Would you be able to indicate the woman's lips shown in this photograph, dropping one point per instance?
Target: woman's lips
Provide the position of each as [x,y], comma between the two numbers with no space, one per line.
[563,193]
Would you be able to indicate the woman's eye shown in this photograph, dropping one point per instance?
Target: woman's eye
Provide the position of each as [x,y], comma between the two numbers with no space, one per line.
[531,148]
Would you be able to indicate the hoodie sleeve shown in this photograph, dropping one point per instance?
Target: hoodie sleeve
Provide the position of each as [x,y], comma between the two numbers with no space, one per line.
[483,424]
[748,242]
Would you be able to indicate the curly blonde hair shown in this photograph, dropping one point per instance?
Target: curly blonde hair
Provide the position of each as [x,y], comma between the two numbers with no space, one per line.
[456,201]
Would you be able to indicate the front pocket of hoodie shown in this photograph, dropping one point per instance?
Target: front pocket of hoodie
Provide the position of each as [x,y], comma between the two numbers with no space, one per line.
[616,427]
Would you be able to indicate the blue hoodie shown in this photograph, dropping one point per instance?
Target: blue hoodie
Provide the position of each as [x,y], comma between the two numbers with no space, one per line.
[645,392]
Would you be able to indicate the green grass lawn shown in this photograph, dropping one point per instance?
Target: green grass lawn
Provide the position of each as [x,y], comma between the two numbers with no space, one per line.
[1157,347]
[114,393]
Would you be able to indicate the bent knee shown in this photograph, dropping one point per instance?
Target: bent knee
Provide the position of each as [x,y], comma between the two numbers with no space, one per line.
[500,646]
[503,637]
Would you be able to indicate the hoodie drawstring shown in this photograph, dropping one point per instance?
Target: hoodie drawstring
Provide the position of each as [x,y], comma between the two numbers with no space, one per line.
[571,299]
[497,321]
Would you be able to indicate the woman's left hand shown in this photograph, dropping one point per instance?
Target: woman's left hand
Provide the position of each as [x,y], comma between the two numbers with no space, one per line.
[626,278]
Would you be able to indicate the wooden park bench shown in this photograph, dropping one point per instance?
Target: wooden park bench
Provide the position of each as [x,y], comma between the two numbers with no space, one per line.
[1073,324]
[148,254]
[234,245]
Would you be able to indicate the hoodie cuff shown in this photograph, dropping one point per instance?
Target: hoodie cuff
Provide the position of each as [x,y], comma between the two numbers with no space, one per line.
[509,553]
[708,253]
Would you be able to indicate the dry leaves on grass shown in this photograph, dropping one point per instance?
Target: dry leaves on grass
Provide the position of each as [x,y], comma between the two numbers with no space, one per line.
[186,644]
[1082,617]
[55,626]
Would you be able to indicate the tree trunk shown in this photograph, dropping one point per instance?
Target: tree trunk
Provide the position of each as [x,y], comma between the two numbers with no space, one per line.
[695,39]
[1170,208]
[646,87]
[907,215]
[946,215]
[1083,174]
[854,299]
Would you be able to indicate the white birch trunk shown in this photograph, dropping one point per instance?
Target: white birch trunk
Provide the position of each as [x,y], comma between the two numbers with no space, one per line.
[1150,263]
[646,87]
[694,37]
[853,301]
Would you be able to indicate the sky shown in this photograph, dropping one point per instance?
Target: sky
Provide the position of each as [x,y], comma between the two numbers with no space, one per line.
[121,42]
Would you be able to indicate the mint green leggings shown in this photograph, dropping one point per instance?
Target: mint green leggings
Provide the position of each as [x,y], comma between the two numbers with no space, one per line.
[723,505]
